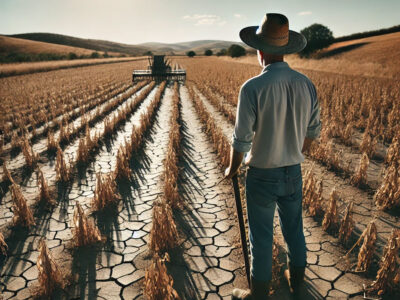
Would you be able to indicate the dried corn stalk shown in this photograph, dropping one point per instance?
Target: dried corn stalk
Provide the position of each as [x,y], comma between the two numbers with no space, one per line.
[85,232]
[347,134]
[388,276]
[163,234]
[347,225]
[367,249]
[157,283]
[360,177]
[122,169]
[51,142]
[44,192]
[315,201]
[49,275]
[105,194]
[387,195]
[331,218]
[22,214]
[3,245]
[62,170]
[30,157]
[7,178]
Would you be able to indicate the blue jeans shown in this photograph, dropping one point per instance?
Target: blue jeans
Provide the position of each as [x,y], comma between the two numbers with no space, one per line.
[266,188]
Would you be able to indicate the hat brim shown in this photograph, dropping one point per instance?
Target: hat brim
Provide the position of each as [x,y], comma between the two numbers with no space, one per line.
[296,42]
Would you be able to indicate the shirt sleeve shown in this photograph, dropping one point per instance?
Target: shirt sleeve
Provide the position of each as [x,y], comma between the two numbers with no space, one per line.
[244,126]
[314,126]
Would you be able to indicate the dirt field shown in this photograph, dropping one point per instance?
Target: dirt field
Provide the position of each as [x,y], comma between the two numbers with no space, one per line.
[143,163]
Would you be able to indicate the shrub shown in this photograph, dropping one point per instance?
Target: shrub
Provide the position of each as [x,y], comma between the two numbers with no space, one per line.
[208,52]
[72,55]
[190,53]
[236,51]
[222,52]
[95,55]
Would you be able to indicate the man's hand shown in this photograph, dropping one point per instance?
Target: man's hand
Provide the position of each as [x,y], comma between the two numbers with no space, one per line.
[234,164]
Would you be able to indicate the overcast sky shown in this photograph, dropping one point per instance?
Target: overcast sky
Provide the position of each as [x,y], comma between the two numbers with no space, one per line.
[139,21]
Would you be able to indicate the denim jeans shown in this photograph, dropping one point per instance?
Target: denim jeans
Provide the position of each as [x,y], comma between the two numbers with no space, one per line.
[266,188]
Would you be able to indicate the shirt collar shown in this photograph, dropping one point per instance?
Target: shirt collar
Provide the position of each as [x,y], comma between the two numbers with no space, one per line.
[275,65]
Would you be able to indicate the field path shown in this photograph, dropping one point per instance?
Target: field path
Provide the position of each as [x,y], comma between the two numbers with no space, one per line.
[209,261]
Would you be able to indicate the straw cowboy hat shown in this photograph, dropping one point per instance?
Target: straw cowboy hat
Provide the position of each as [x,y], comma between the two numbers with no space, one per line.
[273,36]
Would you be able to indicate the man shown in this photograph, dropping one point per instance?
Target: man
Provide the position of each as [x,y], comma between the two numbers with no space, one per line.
[277,118]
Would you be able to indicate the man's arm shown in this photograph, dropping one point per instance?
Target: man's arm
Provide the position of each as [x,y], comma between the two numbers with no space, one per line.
[243,134]
[234,163]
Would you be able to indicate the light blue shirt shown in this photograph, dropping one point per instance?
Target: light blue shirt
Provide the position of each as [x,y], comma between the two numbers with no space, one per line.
[276,111]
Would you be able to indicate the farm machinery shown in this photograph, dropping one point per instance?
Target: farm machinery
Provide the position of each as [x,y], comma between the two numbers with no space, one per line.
[159,69]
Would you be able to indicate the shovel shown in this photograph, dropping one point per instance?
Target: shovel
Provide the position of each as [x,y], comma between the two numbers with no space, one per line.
[241,226]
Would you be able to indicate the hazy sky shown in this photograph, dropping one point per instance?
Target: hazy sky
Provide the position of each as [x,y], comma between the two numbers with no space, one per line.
[139,21]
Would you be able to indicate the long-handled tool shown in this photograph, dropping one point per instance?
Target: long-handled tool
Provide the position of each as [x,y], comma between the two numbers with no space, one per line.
[241,226]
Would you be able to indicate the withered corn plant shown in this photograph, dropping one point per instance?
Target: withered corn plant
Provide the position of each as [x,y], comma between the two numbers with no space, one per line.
[171,170]
[388,276]
[31,158]
[63,172]
[22,213]
[157,283]
[387,195]
[3,245]
[367,248]
[105,194]
[368,237]
[44,192]
[360,177]
[368,144]
[51,142]
[85,231]
[50,276]
[312,194]
[347,225]
[122,169]
[163,234]
[331,218]
[7,178]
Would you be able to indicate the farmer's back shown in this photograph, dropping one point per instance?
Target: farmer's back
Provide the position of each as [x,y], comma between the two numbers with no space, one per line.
[281,102]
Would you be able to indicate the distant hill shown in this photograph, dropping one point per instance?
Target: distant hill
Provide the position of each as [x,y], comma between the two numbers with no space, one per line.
[17,45]
[100,45]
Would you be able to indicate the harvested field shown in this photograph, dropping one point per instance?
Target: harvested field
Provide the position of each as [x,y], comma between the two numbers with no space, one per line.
[121,182]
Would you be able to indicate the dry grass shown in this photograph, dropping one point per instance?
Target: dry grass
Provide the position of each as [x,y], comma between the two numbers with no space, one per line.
[50,276]
[85,232]
[63,172]
[163,234]
[22,214]
[3,245]
[347,225]
[331,218]
[388,276]
[157,283]
[105,195]
[122,169]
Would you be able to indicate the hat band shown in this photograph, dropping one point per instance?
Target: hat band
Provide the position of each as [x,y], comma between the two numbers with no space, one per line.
[277,41]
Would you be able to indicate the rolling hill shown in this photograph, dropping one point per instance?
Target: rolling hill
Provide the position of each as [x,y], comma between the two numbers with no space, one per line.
[101,45]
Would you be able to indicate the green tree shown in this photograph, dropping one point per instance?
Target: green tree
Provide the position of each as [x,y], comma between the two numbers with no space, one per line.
[72,55]
[236,51]
[191,53]
[223,51]
[95,55]
[318,37]
[208,52]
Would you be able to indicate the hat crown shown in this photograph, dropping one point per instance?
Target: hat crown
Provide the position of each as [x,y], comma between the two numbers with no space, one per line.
[274,29]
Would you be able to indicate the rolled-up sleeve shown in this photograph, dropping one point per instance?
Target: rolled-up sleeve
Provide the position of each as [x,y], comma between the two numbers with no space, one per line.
[244,126]
[314,126]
